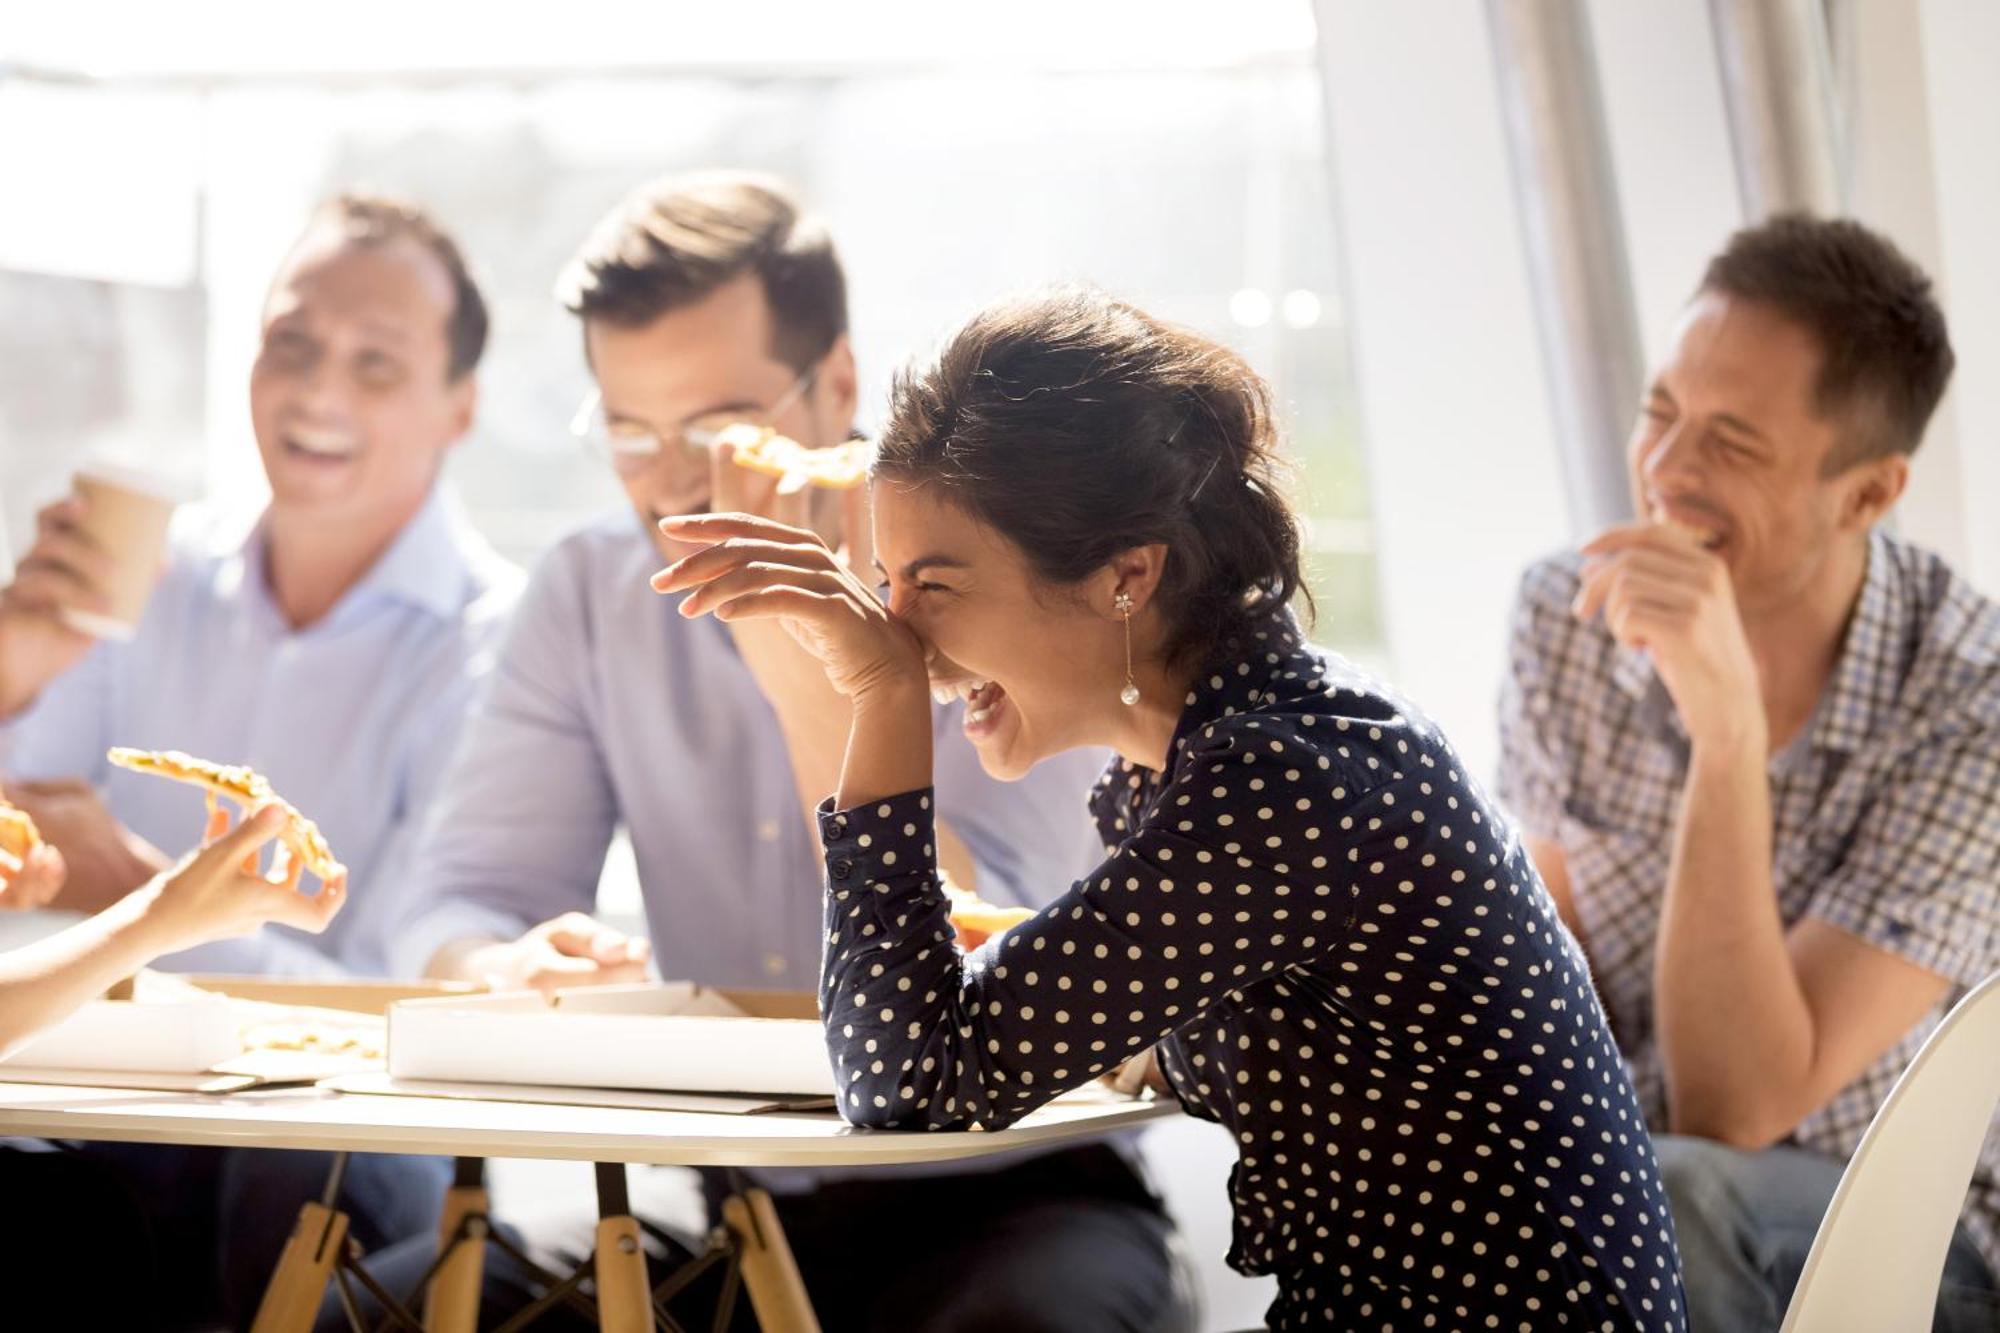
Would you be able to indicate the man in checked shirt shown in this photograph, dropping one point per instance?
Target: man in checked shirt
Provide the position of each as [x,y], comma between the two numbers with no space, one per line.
[1754,744]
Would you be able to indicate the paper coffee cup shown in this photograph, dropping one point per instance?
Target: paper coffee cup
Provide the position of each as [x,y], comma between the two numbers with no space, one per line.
[126,512]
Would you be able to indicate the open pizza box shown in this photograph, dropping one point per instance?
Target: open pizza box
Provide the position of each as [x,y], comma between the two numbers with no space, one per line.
[217,1034]
[743,1050]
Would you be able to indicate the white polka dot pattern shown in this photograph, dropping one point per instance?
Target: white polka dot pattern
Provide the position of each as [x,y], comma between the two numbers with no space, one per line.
[1348,962]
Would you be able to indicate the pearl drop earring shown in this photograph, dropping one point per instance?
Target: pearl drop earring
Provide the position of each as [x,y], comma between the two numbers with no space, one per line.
[1130,694]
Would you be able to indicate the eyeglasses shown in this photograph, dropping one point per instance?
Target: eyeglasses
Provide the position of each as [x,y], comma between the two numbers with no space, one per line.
[634,447]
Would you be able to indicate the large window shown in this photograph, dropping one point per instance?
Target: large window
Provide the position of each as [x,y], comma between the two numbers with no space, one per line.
[1195,187]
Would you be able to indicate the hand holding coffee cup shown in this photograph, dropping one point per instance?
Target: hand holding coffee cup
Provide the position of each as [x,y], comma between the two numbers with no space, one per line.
[63,568]
[125,514]
[97,554]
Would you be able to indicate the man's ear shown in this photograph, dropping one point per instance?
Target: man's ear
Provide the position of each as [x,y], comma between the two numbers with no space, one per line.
[1873,488]
[839,386]
[464,405]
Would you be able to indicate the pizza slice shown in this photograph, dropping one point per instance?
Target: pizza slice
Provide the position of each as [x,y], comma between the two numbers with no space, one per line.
[247,788]
[760,449]
[975,917]
[18,834]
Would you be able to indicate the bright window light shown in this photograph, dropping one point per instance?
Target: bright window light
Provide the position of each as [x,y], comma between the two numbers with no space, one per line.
[1250,308]
[114,180]
[1301,308]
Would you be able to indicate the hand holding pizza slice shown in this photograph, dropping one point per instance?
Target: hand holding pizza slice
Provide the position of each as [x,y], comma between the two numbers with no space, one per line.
[31,871]
[248,788]
[18,834]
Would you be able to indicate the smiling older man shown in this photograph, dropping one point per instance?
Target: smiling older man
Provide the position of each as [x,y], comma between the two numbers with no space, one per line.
[335,649]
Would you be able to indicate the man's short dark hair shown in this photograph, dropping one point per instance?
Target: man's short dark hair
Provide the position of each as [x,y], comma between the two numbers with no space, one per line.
[675,241]
[365,218]
[1885,355]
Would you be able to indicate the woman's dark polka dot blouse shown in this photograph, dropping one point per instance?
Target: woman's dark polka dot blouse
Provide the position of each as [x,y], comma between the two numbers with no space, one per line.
[1347,960]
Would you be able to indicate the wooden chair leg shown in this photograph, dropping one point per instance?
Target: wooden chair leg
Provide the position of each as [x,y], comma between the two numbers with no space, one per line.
[770,1273]
[624,1291]
[291,1303]
[452,1303]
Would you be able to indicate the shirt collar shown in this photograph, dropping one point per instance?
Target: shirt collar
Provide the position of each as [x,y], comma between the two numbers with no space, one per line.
[1866,670]
[426,565]
[1241,673]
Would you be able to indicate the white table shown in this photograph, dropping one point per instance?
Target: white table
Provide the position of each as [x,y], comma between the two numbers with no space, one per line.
[312,1118]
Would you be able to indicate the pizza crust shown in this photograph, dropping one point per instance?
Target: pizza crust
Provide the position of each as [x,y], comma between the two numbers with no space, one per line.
[247,788]
[840,467]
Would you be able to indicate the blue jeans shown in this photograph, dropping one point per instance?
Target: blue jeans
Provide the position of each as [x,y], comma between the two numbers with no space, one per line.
[1746,1222]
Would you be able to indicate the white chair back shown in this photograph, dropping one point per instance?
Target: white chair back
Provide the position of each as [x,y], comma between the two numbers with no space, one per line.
[1877,1260]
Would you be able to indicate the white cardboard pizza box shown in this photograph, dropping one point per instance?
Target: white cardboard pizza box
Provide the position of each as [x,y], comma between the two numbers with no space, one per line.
[184,1035]
[668,1037]
[185,1027]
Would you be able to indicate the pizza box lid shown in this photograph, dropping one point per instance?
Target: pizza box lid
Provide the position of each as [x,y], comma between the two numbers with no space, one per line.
[677,1036]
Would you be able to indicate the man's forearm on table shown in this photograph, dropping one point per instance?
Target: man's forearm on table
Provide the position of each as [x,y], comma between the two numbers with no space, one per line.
[1735,1030]
[439,944]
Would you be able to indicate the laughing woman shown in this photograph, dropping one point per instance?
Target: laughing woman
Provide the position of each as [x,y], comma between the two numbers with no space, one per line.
[1335,939]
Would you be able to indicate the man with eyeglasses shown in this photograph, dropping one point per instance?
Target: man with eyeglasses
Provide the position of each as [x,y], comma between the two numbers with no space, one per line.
[706,301]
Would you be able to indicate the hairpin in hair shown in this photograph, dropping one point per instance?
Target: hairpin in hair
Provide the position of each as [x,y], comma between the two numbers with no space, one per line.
[1196,492]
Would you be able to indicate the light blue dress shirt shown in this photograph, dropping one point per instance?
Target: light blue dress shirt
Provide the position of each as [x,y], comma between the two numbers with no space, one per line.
[608,708]
[352,718]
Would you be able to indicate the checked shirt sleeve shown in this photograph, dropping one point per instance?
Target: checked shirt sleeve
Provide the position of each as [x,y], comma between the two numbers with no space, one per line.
[1921,878]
